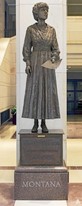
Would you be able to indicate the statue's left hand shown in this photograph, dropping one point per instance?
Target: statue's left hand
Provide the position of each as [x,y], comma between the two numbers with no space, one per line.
[55,58]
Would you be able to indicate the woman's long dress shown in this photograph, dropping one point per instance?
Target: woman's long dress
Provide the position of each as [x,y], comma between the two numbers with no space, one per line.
[41,99]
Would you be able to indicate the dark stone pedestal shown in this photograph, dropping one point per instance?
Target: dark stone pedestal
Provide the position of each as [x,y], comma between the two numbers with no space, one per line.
[41,183]
[41,149]
[41,175]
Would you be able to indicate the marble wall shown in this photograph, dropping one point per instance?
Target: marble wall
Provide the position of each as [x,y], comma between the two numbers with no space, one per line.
[74,41]
[7,73]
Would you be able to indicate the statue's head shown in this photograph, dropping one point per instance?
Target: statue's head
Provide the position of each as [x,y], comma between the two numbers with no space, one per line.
[37,7]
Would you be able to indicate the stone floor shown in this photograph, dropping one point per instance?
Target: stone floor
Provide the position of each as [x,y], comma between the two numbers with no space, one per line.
[7,195]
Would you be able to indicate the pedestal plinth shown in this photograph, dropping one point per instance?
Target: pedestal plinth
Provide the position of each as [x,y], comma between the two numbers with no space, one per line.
[41,183]
[41,149]
[41,174]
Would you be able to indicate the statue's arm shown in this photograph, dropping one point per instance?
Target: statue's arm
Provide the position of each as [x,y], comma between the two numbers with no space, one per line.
[27,50]
[55,48]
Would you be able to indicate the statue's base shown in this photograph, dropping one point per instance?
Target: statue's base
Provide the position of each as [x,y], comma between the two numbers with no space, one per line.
[41,183]
[44,149]
[40,203]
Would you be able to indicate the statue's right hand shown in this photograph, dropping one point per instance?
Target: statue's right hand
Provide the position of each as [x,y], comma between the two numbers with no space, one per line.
[28,70]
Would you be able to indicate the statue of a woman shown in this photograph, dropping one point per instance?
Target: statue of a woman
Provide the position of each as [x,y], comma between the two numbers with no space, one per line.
[40,45]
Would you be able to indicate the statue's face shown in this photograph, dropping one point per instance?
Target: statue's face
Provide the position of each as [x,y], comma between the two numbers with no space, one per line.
[43,13]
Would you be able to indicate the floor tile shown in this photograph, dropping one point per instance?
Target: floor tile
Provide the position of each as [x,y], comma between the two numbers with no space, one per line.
[75,192]
[6,195]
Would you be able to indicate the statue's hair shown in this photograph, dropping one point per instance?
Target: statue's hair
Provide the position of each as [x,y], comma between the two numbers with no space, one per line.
[36,8]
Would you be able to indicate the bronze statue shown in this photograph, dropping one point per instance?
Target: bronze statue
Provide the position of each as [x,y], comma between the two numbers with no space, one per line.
[40,45]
